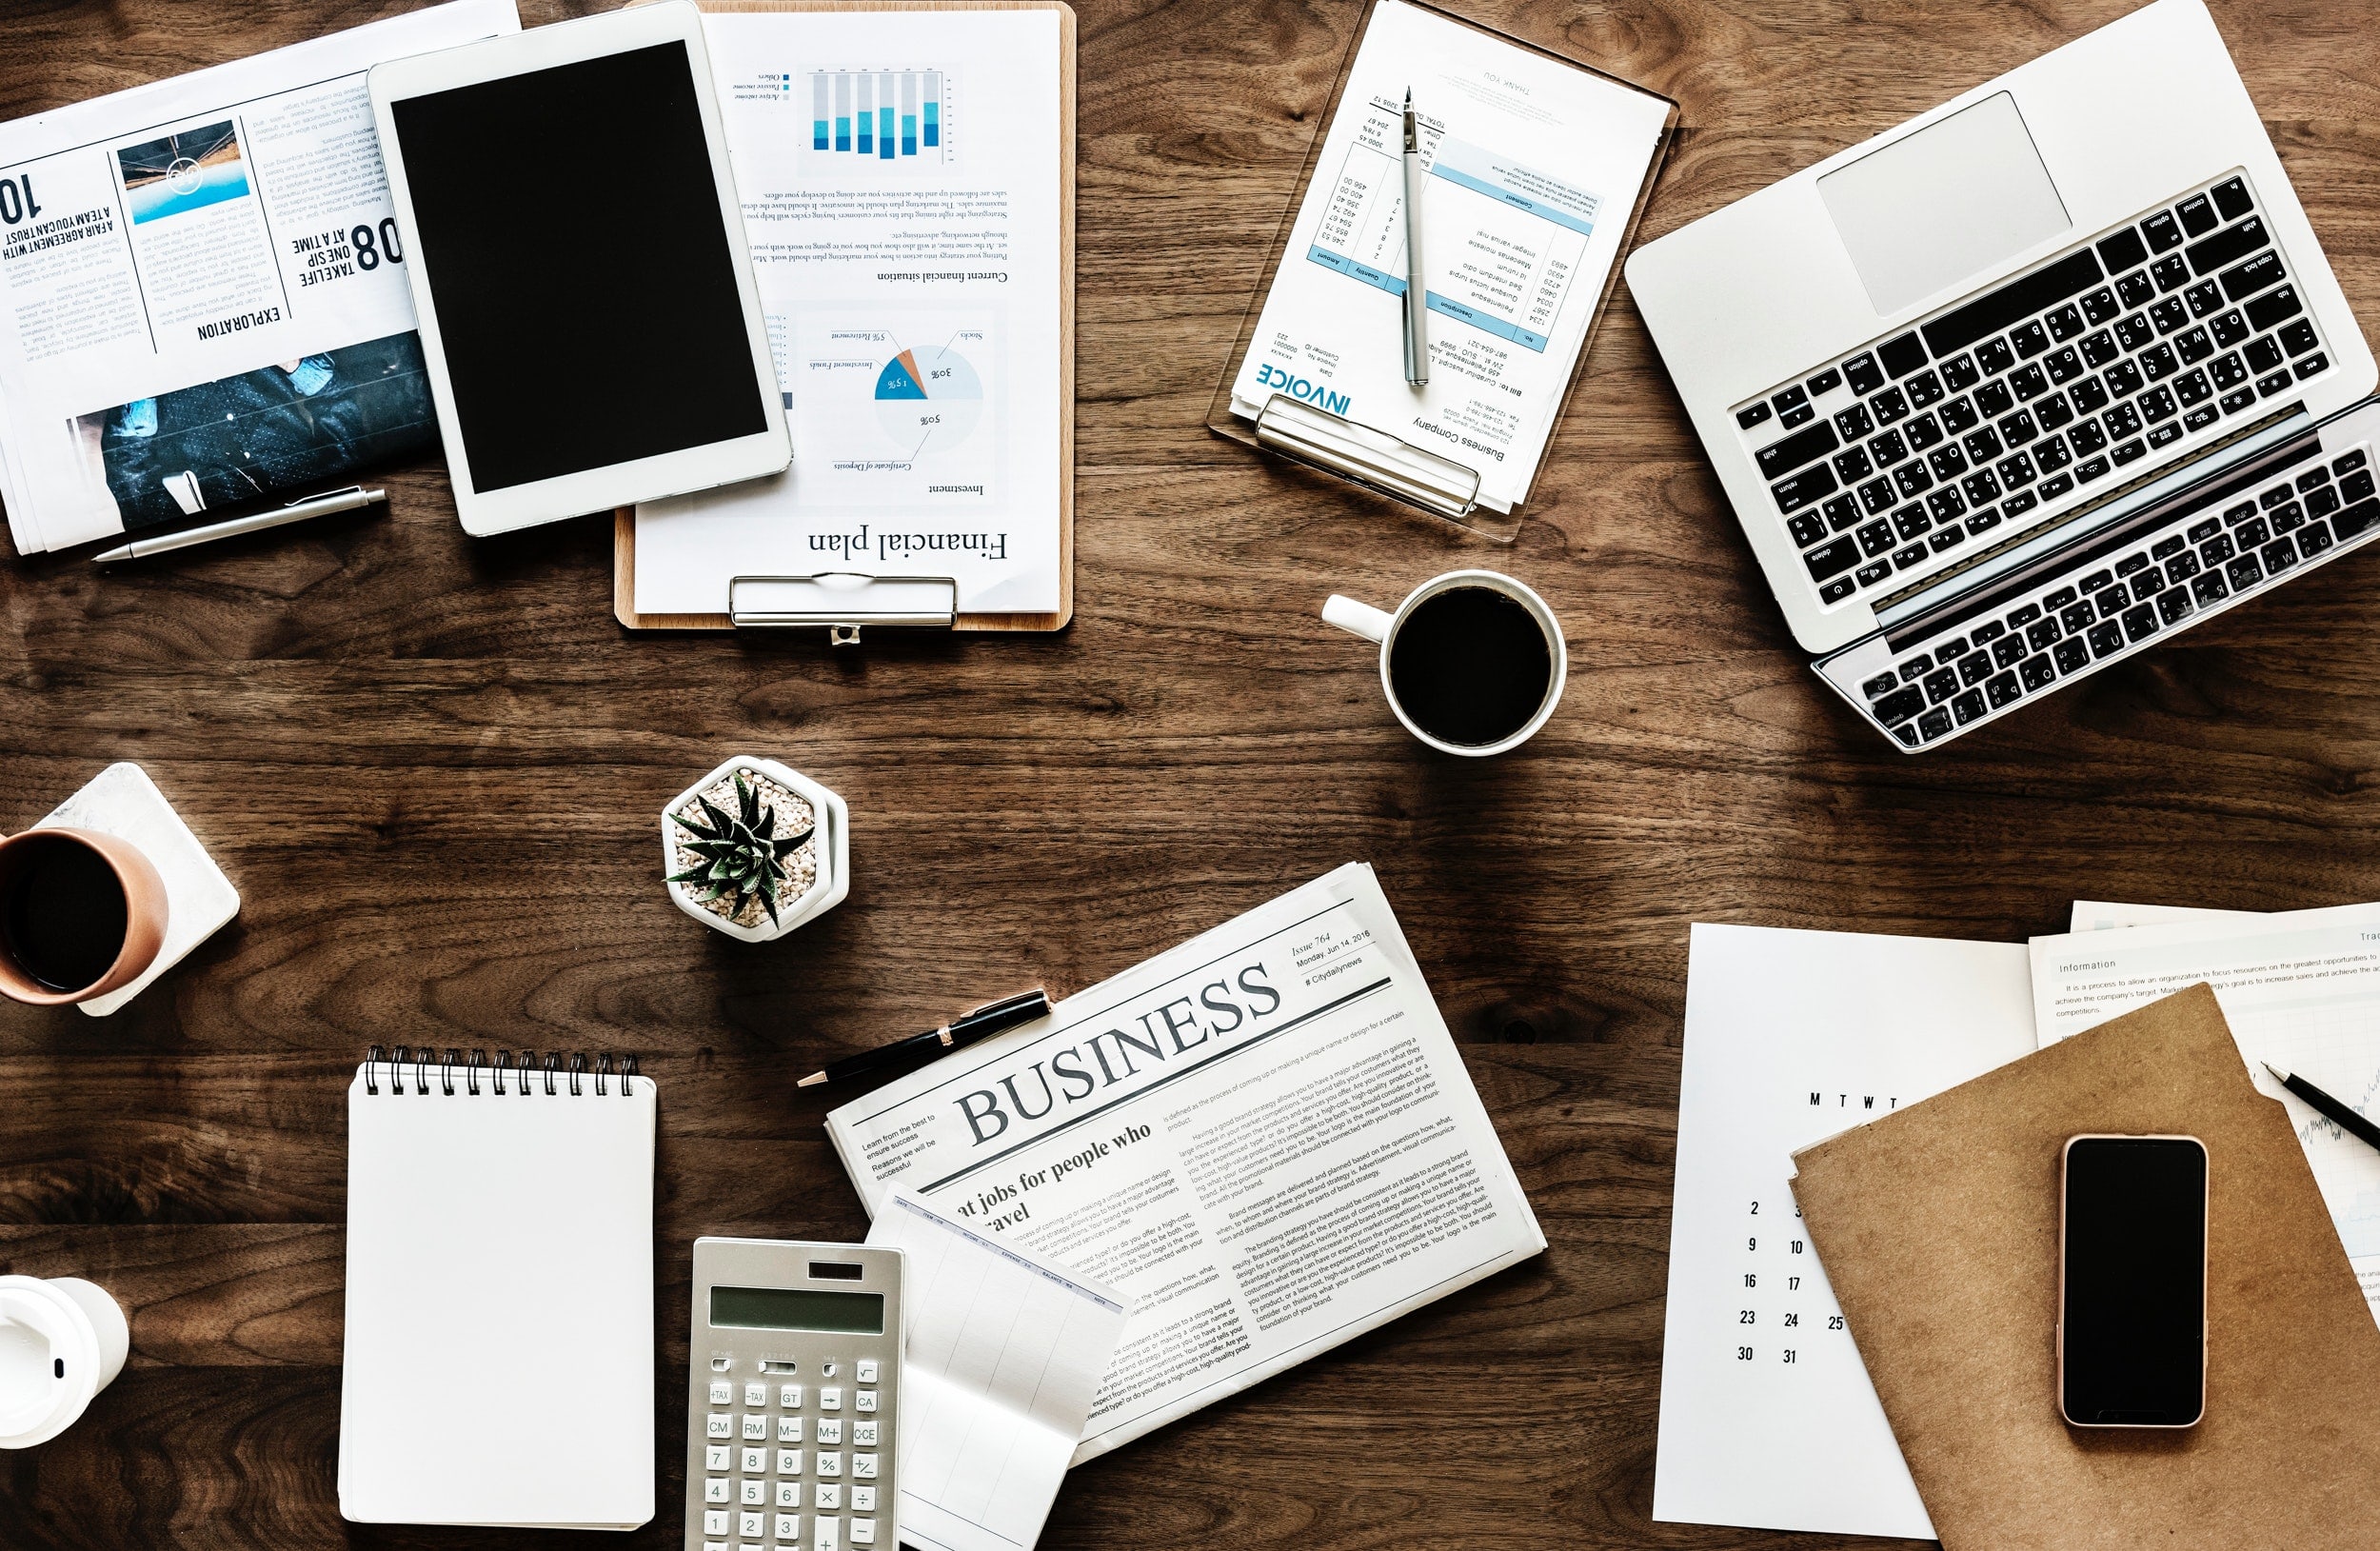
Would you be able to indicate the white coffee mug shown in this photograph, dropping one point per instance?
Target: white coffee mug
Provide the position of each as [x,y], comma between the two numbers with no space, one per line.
[61,1340]
[1376,625]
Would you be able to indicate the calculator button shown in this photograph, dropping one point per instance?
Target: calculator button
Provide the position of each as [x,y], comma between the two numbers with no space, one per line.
[829,1497]
[863,1434]
[715,1522]
[755,1493]
[754,1394]
[788,1494]
[720,1424]
[789,1397]
[830,1461]
[788,1461]
[789,1527]
[714,1545]
[723,1393]
[788,1429]
[756,1462]
[863,1399]
[863,1532]
[829,1369]
[756,1426]
[715,1457]
[751,1546]
[829,1535]
[864,1466]
[864,1370]
[829,1430]
[751,1523]
[715,1489]
[863,1499]
[830,1396]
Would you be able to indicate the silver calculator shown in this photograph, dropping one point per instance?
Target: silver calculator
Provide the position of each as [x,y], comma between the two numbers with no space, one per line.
[793,1392]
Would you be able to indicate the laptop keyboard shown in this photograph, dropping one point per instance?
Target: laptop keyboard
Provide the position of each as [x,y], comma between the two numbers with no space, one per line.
[1884,464]
[2151,582]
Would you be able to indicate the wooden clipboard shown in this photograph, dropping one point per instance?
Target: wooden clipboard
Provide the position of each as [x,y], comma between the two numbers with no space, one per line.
[623,520]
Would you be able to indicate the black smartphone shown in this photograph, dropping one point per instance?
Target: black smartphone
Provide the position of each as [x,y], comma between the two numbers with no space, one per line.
[2131,1332]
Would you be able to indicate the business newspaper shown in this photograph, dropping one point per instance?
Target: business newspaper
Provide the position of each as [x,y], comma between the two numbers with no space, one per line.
[1264,1137]
[202,292]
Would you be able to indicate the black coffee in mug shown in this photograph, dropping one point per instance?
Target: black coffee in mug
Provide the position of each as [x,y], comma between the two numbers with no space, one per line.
[63,915]
[1470,666]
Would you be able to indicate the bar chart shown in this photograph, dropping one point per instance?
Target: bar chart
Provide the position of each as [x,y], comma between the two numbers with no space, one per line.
[882,115]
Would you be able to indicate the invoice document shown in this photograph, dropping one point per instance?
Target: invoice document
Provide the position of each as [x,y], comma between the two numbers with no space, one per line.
[1003,1352]
[1766,1416]
[2300,989]
[1533,167]
[903,181]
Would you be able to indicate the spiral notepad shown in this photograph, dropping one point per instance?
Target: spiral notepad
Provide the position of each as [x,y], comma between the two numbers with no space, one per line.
[499,1291]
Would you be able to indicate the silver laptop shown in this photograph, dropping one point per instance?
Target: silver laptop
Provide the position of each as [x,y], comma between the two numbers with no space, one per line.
[2028,384]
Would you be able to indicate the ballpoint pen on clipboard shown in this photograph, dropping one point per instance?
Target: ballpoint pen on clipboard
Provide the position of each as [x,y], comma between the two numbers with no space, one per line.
[296,511]
[1417,309]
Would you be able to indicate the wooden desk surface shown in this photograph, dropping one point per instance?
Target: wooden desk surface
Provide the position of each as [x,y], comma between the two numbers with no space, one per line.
[433,765]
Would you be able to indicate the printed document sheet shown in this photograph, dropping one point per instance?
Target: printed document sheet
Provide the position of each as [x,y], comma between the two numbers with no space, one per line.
[902,188]
[2300,989]
[202,294]
[1004,1353]
[1533,165]
[1766,1416]
[1265,1138]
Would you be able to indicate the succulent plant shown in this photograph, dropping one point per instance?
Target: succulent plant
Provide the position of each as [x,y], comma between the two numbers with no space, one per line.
[739,855]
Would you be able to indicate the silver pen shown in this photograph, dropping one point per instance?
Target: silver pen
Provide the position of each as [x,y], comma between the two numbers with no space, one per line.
[296,511]
[1416,301]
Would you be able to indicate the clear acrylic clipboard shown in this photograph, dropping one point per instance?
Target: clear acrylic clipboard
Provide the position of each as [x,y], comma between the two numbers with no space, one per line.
[1378,460]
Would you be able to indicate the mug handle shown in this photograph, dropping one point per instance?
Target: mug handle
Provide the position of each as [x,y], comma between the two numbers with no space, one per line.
[1357,618]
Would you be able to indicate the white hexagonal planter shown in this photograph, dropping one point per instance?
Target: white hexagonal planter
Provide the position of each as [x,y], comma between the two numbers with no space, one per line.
[830,842]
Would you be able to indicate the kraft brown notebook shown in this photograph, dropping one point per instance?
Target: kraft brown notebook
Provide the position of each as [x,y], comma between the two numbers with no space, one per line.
[1938,1229]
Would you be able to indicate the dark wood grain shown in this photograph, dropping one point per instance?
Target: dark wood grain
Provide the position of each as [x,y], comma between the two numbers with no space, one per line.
[433,767]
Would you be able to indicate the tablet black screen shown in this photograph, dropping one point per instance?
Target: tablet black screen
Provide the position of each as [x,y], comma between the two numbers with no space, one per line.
[585,285]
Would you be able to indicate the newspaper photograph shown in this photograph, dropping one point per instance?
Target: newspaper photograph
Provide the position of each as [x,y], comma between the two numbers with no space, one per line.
[1265,1137]
[202,294]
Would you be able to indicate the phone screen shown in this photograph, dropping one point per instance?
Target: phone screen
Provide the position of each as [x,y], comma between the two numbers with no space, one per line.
[2132,1324]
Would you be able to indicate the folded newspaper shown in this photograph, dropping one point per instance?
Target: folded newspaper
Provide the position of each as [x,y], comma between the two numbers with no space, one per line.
[201,298]
[1265,1138]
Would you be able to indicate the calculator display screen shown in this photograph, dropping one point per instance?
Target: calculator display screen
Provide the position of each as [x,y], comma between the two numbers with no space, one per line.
[798,1308]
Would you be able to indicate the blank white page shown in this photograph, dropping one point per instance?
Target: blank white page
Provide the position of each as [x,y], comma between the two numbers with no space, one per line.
[500,1306]
[1003,1353]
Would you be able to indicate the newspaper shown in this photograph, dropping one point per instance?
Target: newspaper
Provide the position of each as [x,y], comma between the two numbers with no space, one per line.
[1264,1138]
[201,298]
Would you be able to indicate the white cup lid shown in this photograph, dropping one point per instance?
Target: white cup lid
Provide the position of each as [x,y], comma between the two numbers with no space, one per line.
[49,1362]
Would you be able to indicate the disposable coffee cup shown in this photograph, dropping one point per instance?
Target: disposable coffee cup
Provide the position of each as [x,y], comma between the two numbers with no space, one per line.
[61,1340]
[1473,663]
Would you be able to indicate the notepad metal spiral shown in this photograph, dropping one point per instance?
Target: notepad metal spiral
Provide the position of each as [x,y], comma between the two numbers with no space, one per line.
[605,1067]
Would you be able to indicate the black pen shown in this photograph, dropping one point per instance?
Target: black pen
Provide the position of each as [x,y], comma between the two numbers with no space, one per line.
[966,1028]
[2348,1119]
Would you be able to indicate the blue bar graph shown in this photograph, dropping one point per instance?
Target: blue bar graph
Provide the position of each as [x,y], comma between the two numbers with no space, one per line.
[885,116]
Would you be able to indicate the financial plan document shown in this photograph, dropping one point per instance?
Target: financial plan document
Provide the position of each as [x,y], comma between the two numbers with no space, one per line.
[1533,165]
[2300,989]
[902,175]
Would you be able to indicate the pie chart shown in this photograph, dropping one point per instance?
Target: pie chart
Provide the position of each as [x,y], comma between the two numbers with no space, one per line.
[928,399]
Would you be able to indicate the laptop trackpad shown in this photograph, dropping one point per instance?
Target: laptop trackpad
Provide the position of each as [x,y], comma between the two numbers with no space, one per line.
[1936,207]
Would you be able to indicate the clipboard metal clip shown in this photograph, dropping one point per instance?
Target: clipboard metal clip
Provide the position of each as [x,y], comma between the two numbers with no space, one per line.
[842,601]
[1374,458]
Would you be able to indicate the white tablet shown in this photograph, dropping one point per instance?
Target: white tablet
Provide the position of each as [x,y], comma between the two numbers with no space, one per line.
[576,253]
